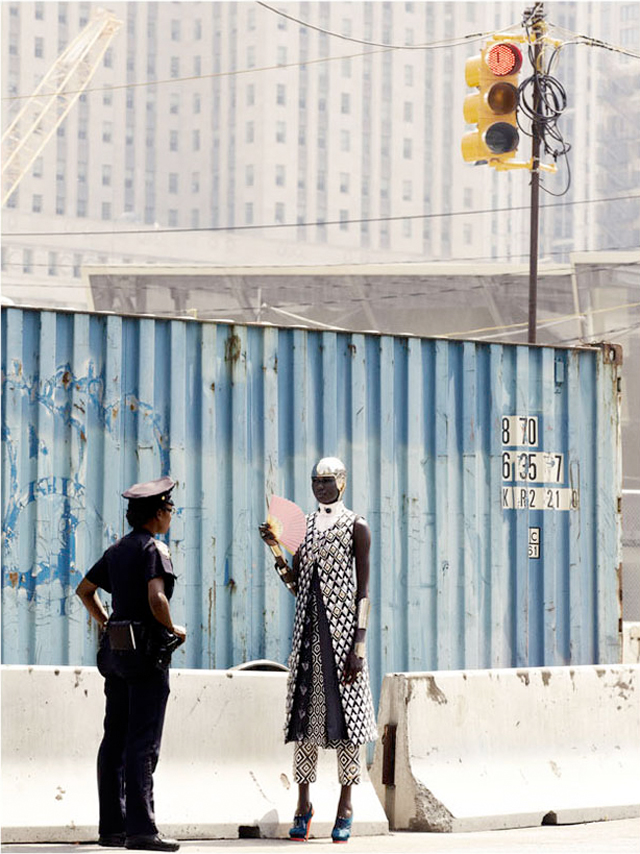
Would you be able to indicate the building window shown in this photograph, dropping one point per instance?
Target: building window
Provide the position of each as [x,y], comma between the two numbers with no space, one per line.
[173,218]
[27,261]
[248,213]
[175,66]
[197,66]
[196,103]
[408,75]
[320,183]
[39,11]
[77,264]
[279,212]
[281,94]
[174,103]
[107,131]
[52,268]
[251,56]
[81,208]
[468,197]
[107,99]
[60,205]
[128,179]
[282,23]
[197,29]
[38,49]
[249,175]
[344,216]
[195,218]
[106,176]
[250,133]
[36,204]
[346,67]
[173,182]
[251,95]
[282,56]
[345,105]
[108,58]
[407,191]
[106,210]
[37,167]
[408,111]
[195,182]
[406,227]
[468,234]
[407,149]
[251,20]
[344,182]
[281,132]
[175,31]
[280,176]
[173,140]
[196,140]
[5,255]
[345,140]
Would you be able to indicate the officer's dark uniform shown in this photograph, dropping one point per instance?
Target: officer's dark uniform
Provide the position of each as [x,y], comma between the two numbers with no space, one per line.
[136,679]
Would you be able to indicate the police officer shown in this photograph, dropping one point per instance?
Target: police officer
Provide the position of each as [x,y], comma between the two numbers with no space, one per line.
[134,655]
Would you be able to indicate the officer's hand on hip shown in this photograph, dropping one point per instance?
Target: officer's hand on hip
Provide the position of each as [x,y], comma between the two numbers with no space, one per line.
[180,632]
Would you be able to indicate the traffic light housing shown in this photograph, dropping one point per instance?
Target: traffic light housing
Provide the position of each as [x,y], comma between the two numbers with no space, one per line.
[494,107]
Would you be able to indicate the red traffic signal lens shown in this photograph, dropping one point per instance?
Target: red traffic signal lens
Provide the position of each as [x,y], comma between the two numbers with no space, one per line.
[501,137]
[504,58]
[502,98]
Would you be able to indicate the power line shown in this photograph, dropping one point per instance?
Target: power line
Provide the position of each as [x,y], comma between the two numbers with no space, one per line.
[589,41]
[313,223]
[453,42]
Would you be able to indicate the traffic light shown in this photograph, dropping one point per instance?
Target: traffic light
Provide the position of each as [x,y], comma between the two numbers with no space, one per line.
[493,108]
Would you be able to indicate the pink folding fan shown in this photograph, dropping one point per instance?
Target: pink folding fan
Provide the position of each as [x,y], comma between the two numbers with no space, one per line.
[287,522]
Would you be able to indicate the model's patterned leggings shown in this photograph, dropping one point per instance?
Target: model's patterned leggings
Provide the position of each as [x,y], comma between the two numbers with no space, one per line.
[305,762]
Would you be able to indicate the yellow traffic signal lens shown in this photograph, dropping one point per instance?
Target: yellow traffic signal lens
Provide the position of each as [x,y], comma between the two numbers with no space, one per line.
[501,137]
[503,59]
[502,98]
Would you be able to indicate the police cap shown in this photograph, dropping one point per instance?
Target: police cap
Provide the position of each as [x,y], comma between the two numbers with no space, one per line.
[160,489]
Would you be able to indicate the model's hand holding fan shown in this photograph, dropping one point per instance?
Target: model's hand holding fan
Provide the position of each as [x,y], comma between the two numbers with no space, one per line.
[287,522]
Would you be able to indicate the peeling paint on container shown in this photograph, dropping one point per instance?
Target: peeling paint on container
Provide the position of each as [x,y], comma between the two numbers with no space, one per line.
[489,474]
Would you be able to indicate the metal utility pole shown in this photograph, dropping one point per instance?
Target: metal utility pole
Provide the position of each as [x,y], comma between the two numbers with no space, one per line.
[537,18]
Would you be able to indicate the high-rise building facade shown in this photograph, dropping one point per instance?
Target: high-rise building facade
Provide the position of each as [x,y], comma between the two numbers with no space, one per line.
[228,115]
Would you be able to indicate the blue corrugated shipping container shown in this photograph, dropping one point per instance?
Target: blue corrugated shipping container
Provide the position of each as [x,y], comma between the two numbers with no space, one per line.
[489,474]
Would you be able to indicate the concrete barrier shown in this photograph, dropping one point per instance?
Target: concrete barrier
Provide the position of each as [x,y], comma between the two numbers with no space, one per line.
[490,749]
[224,771]
[631,643]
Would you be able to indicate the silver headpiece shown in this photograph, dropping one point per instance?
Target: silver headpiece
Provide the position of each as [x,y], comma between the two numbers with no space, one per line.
[332,467]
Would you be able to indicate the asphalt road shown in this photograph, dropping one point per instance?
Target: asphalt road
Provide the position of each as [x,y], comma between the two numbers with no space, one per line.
[604,837]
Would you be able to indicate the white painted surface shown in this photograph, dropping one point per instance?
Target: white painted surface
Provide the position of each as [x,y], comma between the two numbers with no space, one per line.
[223,763]
[631,643]
[491,749]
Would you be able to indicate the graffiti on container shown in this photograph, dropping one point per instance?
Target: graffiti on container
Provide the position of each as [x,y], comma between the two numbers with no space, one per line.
[39,545]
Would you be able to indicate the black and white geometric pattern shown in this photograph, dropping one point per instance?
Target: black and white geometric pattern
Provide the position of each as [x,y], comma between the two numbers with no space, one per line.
[305,762]
[331,552]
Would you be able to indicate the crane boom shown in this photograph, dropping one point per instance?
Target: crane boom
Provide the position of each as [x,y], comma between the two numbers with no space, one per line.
[45,110]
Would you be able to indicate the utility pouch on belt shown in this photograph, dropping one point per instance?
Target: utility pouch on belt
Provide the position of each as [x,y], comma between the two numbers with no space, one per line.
[121,635]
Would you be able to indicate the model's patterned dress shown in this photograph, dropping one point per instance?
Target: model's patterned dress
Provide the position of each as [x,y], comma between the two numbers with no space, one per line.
[320,709]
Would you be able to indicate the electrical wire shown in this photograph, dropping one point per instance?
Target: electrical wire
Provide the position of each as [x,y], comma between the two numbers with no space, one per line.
[542,99]
[308,224]
[590,41]
[453,42]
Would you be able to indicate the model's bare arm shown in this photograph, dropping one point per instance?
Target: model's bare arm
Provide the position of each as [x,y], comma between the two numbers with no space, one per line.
[160,609]
[361,549]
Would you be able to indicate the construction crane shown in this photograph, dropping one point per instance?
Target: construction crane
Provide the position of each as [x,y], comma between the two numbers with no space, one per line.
[46,109]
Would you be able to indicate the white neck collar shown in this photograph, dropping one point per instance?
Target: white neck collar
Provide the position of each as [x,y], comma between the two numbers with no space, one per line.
[328,514]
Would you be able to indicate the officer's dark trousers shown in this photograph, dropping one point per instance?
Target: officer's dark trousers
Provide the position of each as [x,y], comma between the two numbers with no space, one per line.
[128,755]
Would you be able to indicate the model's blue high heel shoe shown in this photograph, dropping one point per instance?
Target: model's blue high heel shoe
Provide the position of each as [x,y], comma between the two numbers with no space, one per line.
[301,826]
[342,829]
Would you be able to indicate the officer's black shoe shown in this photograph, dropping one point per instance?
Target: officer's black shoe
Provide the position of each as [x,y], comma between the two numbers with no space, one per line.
[112,840]
[151,842]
